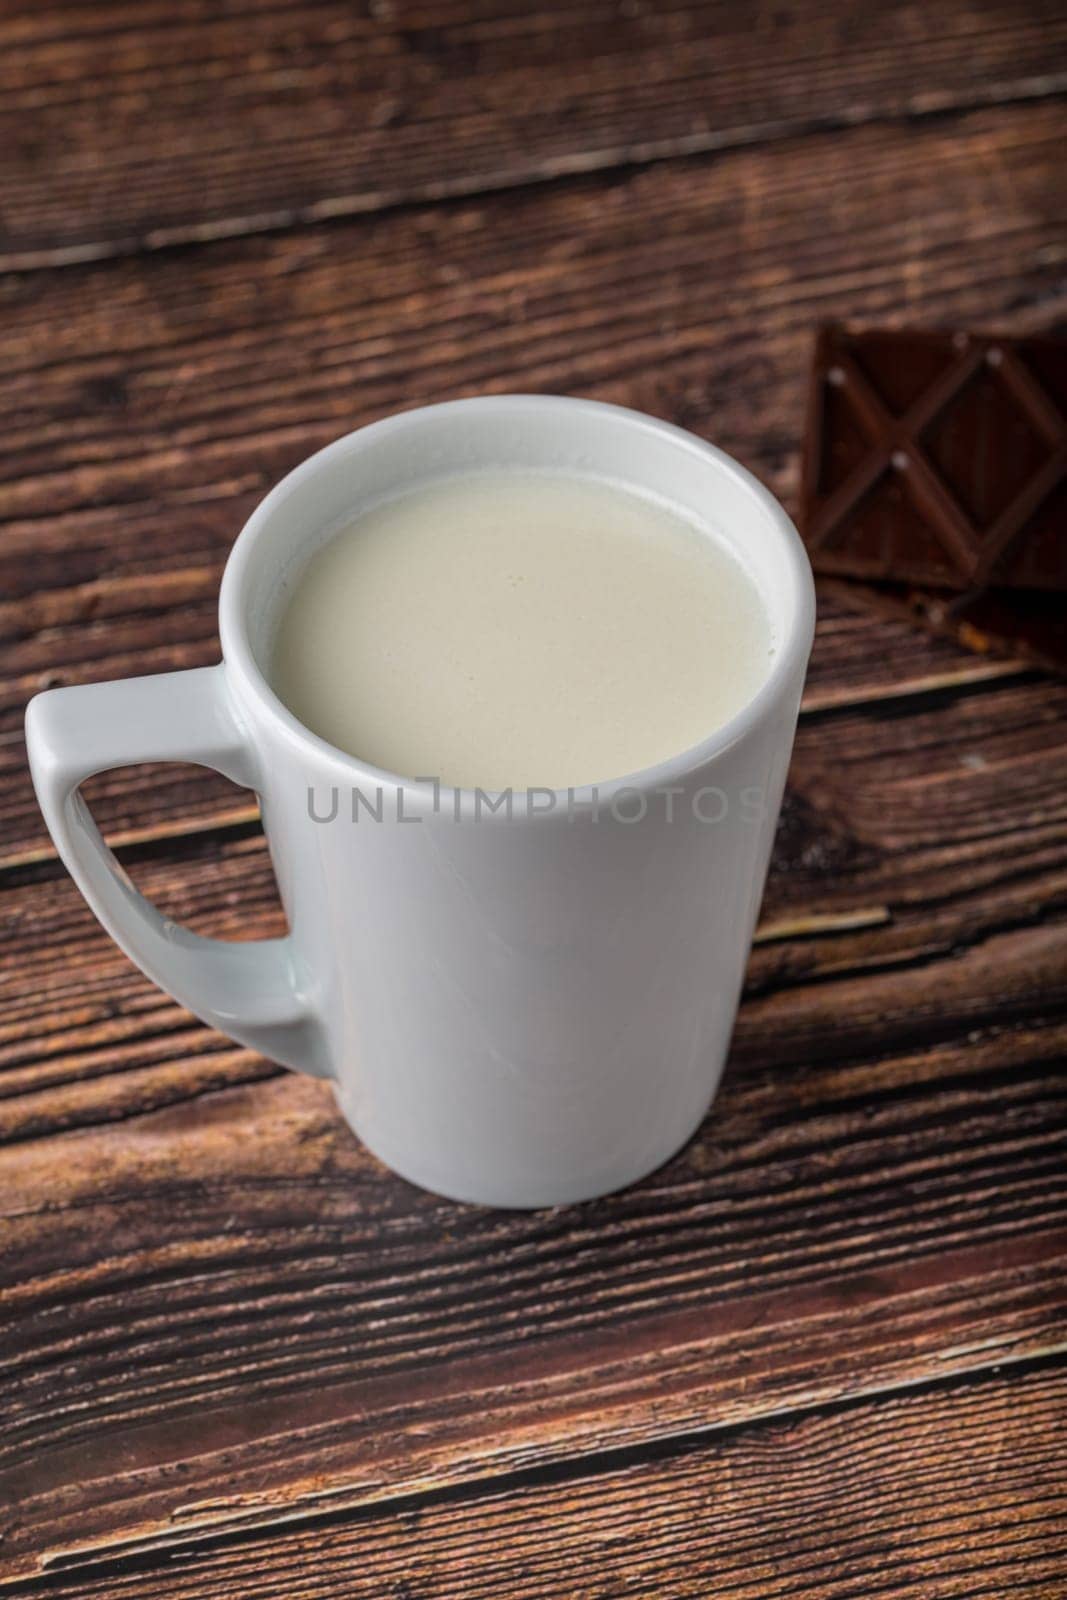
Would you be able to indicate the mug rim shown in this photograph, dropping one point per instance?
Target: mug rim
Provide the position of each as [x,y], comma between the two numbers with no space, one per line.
[792,653]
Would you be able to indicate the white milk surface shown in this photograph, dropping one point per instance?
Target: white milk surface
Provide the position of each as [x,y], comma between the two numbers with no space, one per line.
[516,629]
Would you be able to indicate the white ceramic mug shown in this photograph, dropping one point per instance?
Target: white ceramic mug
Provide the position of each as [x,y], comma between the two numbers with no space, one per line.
[518,1009]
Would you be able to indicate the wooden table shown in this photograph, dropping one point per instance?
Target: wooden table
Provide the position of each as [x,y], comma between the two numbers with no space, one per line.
[823,1351]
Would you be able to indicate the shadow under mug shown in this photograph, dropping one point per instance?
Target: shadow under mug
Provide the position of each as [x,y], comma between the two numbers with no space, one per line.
[523,1006]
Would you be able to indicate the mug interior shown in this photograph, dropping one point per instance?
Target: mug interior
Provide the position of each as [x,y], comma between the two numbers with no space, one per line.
[530,433]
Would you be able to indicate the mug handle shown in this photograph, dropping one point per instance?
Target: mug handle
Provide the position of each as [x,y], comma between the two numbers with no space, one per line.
[251,991]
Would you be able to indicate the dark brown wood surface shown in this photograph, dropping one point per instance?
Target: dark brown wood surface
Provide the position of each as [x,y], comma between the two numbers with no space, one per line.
[126,128]
[822,1351]
[739,1511]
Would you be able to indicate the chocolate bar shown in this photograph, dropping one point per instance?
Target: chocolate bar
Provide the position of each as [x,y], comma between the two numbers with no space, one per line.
[938,459]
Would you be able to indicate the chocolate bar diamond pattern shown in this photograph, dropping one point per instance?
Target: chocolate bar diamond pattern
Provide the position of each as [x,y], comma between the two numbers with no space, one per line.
[938,459]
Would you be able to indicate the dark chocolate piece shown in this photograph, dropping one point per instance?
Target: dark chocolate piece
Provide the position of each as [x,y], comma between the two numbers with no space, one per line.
[938,458]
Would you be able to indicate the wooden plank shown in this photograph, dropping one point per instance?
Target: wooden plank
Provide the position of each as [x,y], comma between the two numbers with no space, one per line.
[277,1329]
[957,1490]
[126,129]
[879,1190]
[153,403]
[188,381]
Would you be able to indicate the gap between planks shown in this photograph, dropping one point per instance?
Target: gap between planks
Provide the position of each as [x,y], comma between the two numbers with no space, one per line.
[561,169]
[193,1524]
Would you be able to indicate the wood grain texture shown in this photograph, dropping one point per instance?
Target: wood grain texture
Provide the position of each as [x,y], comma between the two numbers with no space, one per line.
[128,128]
[153,402]
[220,1300]
[231,1316]
[821,1350]
[830,1505]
